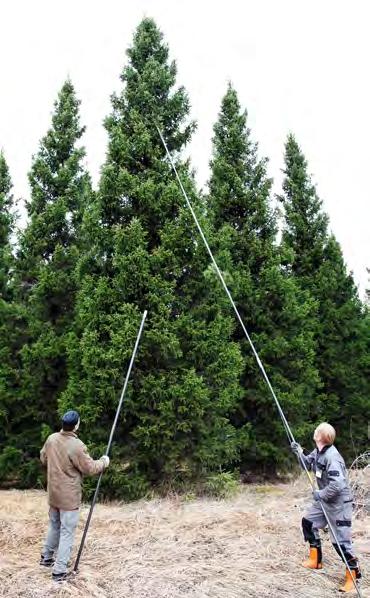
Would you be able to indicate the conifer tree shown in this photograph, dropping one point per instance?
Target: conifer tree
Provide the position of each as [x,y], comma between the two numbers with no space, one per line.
[47,256]
[278,315]
[10,340]
[144,255]
[6,227]
[318,265]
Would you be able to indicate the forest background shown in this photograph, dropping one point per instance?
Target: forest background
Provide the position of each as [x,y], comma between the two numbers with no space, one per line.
[75,280]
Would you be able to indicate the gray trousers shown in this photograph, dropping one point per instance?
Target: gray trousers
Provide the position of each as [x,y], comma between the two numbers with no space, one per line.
[60,537]
[340,516]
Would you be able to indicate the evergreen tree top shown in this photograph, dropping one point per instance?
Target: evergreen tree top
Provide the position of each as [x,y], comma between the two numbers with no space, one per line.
[136,177]
[302,205]
[6,201]
[60,189]
[58,158]
[7,219]
[317,255]
[148,45]
[5,182]
[148,97]
[231,134]
[239,186]
[306,224]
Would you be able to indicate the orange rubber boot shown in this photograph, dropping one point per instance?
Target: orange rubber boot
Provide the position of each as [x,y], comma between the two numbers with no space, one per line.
[314,560]
[349,586]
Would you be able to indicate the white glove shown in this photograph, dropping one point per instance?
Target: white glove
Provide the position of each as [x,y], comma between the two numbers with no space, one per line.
[106,460]
[296,448]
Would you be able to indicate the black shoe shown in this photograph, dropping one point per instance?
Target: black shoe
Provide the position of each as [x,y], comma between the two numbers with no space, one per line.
[60,576]
[46,562]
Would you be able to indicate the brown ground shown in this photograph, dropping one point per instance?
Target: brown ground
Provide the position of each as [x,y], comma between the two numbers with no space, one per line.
[248,546]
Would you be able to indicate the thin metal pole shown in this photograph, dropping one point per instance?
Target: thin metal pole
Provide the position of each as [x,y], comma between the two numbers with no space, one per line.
[87,524]
[288,430]
[259,362]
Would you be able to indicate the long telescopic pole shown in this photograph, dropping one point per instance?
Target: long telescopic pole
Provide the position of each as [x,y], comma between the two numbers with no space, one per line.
[87,524]
[288,430]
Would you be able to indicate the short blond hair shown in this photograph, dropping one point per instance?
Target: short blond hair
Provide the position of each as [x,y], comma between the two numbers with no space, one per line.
[325,432]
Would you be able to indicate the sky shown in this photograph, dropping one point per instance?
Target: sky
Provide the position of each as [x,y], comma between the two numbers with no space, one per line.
[298,66]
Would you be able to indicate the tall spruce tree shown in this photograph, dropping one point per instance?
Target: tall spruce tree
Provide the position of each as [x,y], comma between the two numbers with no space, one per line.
[48,251]
[277,314]
[317,264]
[144,255]
[6,227]
[10,316]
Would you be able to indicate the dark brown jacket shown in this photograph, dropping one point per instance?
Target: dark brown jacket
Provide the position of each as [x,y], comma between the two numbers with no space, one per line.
[67,460]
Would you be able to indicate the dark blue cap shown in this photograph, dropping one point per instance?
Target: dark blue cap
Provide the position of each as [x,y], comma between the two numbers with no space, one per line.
[70,418]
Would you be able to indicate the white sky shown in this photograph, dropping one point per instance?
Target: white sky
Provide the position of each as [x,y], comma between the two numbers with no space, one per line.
[298,65]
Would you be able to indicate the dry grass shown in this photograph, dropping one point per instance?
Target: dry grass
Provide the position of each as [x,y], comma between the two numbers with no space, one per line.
[360,483]
[248,546]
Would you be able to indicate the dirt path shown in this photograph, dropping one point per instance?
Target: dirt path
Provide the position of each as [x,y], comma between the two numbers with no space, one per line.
[250,546]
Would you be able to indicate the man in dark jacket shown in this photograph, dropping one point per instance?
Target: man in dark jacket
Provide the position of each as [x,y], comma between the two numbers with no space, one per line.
[334,492]
[67,461]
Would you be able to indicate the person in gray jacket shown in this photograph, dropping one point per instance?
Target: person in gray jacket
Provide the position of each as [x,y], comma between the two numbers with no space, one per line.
[334,492]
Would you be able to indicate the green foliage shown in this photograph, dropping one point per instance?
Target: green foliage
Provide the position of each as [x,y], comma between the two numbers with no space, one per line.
[222,485]
[305,232]
[10,460]
[10,316]
[143,255]
[118,484]
[44,279]
[277,314]
[6,228]
[17,470]
[88,264]
[316,262]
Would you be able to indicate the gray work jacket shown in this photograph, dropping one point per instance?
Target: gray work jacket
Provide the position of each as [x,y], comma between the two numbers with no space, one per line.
[331,474]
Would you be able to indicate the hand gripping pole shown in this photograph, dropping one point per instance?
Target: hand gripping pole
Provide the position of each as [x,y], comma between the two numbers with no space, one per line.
[87,524]
[287,428]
